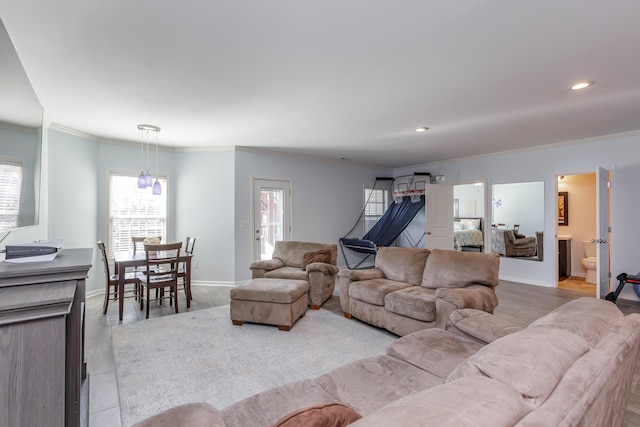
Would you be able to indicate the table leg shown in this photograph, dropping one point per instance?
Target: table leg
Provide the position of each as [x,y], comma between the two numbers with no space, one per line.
[187,282]
[121,274]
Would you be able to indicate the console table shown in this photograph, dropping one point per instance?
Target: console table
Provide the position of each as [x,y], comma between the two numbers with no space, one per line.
[43,375]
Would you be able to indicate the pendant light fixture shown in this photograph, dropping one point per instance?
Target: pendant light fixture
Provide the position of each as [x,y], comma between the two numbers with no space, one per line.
[146,180]
[157,188]
[142,180]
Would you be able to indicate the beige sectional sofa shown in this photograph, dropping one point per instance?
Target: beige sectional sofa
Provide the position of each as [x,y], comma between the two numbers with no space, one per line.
[572,367]
[412,289]
[288,259]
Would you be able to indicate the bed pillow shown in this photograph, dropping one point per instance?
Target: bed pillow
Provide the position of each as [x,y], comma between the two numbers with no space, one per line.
[470,223]
[329,415]
[457,226]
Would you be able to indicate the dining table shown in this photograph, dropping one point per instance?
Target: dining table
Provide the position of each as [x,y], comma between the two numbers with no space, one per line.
[129,259]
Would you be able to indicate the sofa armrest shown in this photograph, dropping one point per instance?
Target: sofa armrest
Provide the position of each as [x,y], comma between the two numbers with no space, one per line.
[525,241]
[188,415]
[323,267]
[480,297]
[368,274]
[346,277]
[479,325]
[476,296]
[259,268]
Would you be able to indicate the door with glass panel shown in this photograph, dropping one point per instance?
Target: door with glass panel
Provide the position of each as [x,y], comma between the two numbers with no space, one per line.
[271,215]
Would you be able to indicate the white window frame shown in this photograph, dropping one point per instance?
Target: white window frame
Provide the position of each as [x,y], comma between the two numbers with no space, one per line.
[123,242]
[11,194]
[378,198]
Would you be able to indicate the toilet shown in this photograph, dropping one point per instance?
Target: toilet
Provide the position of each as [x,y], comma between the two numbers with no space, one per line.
[589,262]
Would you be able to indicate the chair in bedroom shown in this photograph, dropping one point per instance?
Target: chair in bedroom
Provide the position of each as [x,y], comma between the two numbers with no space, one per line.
[505,243]
[112,281]
[161,272]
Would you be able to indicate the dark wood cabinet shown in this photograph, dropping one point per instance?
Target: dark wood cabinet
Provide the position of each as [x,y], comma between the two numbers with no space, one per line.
[564,258]
[43,375]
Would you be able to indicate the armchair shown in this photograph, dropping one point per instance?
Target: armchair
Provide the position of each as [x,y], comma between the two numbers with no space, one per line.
[314,262]
[505,243]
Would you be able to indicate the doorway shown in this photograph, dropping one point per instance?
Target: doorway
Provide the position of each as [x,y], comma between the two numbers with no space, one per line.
[271,215]
[583,233]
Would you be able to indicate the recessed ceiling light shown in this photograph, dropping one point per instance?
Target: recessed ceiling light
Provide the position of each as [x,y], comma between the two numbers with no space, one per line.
[422,129]
[581,85]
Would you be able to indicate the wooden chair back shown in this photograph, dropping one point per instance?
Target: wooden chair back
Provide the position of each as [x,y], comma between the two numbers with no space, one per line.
[105,258]
[162,264]
[138,242]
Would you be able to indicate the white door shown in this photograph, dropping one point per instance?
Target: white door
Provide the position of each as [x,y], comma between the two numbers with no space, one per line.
[439,218]
[602,232]
[271,215]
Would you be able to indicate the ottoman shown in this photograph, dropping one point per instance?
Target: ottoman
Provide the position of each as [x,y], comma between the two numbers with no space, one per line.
[270,301]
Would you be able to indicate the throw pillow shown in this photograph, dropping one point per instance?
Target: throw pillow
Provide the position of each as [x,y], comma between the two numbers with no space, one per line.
[327,415]
[322,255]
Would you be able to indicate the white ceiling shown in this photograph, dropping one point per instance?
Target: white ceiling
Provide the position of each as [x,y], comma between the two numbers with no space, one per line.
[336,78]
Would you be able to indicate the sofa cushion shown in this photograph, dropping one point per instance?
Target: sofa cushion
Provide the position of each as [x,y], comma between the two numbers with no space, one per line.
[586,317]
[532,361]
[415,302]
[479,325]
[292,273]
[270,290]
[434,350]
[454,269]
[605,370]
[368,384]
[269,406]
[327,415]
[322,255]
[402,264]
[292,252]
[373,291]
[468,402]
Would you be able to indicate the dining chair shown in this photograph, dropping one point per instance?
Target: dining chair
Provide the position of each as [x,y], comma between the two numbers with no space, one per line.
[112,281]
[182,271]
[165,256]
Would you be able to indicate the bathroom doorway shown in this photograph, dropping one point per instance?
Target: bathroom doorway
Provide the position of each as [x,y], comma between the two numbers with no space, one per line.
[580,265]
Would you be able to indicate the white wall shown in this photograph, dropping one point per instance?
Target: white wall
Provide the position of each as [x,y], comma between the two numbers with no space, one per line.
[522,204]
[470,200]
[205,209]
[617,153]
[327,197]
[72,196]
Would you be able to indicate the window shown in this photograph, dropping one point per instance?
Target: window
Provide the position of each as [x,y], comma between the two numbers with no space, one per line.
[134,211]
[376,204]
[10,193]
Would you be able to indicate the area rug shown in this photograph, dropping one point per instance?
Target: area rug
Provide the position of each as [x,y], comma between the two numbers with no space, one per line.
[201,357]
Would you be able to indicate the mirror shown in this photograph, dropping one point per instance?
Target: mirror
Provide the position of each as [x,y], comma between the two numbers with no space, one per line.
[517,220]
[20,142]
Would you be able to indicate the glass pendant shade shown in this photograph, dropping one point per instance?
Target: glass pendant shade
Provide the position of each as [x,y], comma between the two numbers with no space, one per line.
[148,179]
[157,188]
[142,180]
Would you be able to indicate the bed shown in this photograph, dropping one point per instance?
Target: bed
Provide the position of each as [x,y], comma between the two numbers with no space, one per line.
[467,234]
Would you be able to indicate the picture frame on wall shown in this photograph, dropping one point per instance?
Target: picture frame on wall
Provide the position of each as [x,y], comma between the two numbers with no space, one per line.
[563,208]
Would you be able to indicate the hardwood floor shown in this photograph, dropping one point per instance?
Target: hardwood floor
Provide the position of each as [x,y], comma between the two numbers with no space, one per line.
[519,303]
[578,284]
